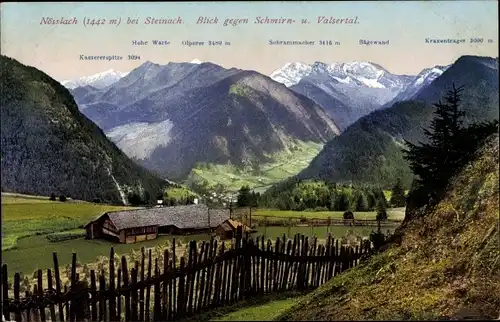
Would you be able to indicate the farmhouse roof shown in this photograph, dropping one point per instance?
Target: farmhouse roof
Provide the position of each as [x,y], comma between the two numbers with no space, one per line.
[183,217]
[231,224]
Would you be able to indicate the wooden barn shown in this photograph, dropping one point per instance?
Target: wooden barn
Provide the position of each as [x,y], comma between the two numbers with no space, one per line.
[228,228]
[130,226]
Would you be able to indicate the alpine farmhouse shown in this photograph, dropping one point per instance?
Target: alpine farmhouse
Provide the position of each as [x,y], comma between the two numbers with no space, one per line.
[130,226]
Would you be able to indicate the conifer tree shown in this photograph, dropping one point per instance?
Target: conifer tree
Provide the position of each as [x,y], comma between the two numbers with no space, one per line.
[244,197]
[361,202]
[371,200]
[449,146]
[398,195]
[381,210]
[342,202]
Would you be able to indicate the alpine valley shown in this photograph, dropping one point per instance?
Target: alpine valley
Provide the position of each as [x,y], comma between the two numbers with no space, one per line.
[203,124]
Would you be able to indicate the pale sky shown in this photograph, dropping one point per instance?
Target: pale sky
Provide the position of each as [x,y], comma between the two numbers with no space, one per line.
[56,49]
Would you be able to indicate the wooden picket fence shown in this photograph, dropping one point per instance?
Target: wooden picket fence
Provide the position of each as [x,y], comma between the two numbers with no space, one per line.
[212,276]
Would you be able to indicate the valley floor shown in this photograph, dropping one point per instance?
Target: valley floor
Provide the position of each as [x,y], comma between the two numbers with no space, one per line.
[29,223]
[286,164]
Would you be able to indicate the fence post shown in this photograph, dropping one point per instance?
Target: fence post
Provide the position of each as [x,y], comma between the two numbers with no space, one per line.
[5,293]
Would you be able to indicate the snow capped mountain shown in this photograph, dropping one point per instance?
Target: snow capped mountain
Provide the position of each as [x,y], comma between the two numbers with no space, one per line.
[100,80]
[291,73]
[422,80]
[346,91]
[196,61]
[364,74]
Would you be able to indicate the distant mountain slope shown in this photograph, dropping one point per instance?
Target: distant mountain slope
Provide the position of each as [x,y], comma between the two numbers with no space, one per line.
[48,146]
[370,149]
[172,118]
[346,91]
[423,79]
[100,80]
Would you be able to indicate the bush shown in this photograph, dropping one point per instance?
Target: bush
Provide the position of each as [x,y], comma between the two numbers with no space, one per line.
[377,238]
[320,209]
[96,200]
[348,215]
[52,197]
[62,198]
[62,236]
[382,215]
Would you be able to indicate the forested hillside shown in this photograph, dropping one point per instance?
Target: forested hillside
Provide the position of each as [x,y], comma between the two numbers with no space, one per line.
[48,146]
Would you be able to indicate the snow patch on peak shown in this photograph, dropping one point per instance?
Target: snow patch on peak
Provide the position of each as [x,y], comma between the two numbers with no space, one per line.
[423,79]
[99,80]
[196,61]
[365,74]
[291,73]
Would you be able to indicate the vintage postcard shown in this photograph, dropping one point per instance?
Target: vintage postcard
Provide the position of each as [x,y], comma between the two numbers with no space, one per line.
[306,160]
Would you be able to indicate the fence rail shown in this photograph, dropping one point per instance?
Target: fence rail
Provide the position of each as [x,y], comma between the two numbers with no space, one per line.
[317,222]
[210,277]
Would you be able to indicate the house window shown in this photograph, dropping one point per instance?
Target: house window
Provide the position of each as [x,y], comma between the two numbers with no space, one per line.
[150,230]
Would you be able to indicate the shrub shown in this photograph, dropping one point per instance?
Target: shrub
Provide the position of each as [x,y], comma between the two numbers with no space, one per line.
[348,215]
[377,238]
[62,198]
[62,236]
[52,197]
[96,200]
[381,215]
[320,209]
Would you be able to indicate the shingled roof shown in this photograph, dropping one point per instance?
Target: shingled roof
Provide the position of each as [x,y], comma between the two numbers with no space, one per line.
[182,217]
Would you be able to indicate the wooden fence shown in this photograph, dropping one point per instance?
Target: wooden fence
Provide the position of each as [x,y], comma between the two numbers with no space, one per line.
[263,220]
[210,277]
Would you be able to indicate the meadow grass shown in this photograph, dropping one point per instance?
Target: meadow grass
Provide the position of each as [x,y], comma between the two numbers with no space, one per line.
[260,312]
[259,308]
[29,222]
[393,213]
[24,216]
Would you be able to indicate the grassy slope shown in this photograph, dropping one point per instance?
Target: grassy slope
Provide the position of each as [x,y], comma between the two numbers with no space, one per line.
[24,216]
[179,192]
[447,265]
[264,312]
[286,164]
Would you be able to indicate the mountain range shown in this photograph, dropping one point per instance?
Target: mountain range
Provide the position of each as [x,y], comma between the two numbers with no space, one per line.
[177,117]
[48,146]
[369,151]
[172,118]
[348,91]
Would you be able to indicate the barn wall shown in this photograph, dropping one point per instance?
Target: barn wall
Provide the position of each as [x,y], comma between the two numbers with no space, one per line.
[151,236]
[139,238]
[88,233]
[130,239]
[122,236]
